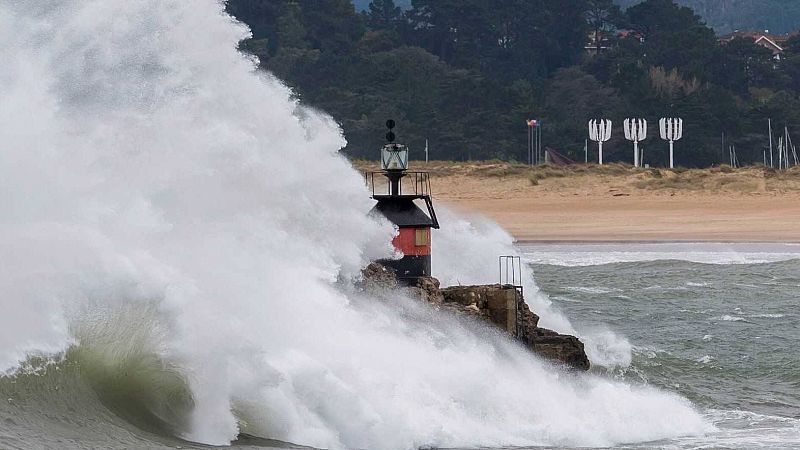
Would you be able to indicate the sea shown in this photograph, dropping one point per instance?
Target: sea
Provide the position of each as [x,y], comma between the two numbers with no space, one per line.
[181,247]
[713,323]
[717,323]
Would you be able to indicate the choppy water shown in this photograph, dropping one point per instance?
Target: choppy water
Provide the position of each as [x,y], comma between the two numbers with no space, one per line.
[723,333]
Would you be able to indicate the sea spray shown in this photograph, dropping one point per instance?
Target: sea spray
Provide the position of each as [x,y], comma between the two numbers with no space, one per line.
[147,166]
[467,251]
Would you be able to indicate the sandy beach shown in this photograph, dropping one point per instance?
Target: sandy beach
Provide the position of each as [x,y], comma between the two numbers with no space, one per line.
[641,218]
[617,203]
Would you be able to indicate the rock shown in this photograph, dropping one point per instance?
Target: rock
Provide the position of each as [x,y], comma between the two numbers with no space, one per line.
[540,332]
[559,347]
[496,304]
[377,278]
[463,295]
[427,289]
[530,321]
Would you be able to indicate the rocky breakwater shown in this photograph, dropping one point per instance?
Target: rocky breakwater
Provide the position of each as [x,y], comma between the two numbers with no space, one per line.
[500,305]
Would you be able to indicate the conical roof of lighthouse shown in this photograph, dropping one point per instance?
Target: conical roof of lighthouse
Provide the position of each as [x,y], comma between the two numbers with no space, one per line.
[403,212]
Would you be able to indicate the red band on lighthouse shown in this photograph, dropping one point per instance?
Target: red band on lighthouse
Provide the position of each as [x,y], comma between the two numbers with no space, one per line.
[413,241]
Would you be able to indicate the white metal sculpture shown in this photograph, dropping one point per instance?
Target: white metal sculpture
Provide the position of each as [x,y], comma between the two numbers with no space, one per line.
[636,131]
[600,131]
[671,130]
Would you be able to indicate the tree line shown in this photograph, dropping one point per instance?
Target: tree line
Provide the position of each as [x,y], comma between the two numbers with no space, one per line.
[725,16]
[464,75]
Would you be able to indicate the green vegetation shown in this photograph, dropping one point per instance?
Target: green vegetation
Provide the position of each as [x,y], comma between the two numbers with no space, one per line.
[465,74]
[725,16]
[778,16]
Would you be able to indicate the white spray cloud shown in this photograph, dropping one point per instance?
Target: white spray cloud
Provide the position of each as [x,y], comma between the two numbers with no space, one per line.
[144,160]
[467,252]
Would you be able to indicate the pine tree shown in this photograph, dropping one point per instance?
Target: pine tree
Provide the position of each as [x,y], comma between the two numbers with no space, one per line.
[384,15]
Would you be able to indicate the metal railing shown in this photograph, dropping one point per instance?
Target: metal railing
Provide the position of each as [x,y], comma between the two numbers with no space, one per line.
[511,275]
[412,183]
[510,270]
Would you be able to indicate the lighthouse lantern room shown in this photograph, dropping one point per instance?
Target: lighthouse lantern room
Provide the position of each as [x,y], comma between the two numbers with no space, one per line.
[399,194]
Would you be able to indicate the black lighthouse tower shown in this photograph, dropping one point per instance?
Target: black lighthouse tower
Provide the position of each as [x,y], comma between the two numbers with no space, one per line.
[398,192]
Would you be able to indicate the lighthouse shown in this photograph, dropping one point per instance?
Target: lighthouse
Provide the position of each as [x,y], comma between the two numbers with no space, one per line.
[399,193]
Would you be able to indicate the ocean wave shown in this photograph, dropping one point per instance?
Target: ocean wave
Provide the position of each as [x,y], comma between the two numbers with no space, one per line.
[745,429]
[705,359]
[736,430]
[110,403]
[577,255]
[729,318]
[592,289]
[166,231]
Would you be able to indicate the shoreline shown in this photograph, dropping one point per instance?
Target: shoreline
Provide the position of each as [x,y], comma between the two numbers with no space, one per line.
[616,203]
[545,217]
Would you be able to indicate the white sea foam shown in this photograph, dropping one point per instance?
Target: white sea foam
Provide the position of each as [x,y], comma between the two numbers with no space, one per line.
[591,289]
[745,430]
[705,359]
[146,164]
[729,318]
[467,252]
[706,252]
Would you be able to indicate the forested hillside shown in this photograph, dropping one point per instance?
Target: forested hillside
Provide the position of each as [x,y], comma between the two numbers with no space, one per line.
[725,16]
[363,5]
[778,16]
[465,74]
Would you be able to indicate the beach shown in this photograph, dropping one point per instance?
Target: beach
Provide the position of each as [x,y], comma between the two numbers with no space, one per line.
[619,203]
[599,217]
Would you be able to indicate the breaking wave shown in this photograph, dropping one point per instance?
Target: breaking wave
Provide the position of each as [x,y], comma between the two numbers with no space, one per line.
[576,255]
[180,237]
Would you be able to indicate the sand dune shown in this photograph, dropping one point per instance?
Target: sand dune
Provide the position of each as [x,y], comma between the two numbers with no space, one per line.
[619,203]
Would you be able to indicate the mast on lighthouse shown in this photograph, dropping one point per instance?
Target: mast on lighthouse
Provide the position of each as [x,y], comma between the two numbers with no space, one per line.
[398,202]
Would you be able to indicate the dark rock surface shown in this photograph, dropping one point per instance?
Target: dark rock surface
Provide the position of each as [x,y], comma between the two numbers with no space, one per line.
[493,303]
[559,347]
